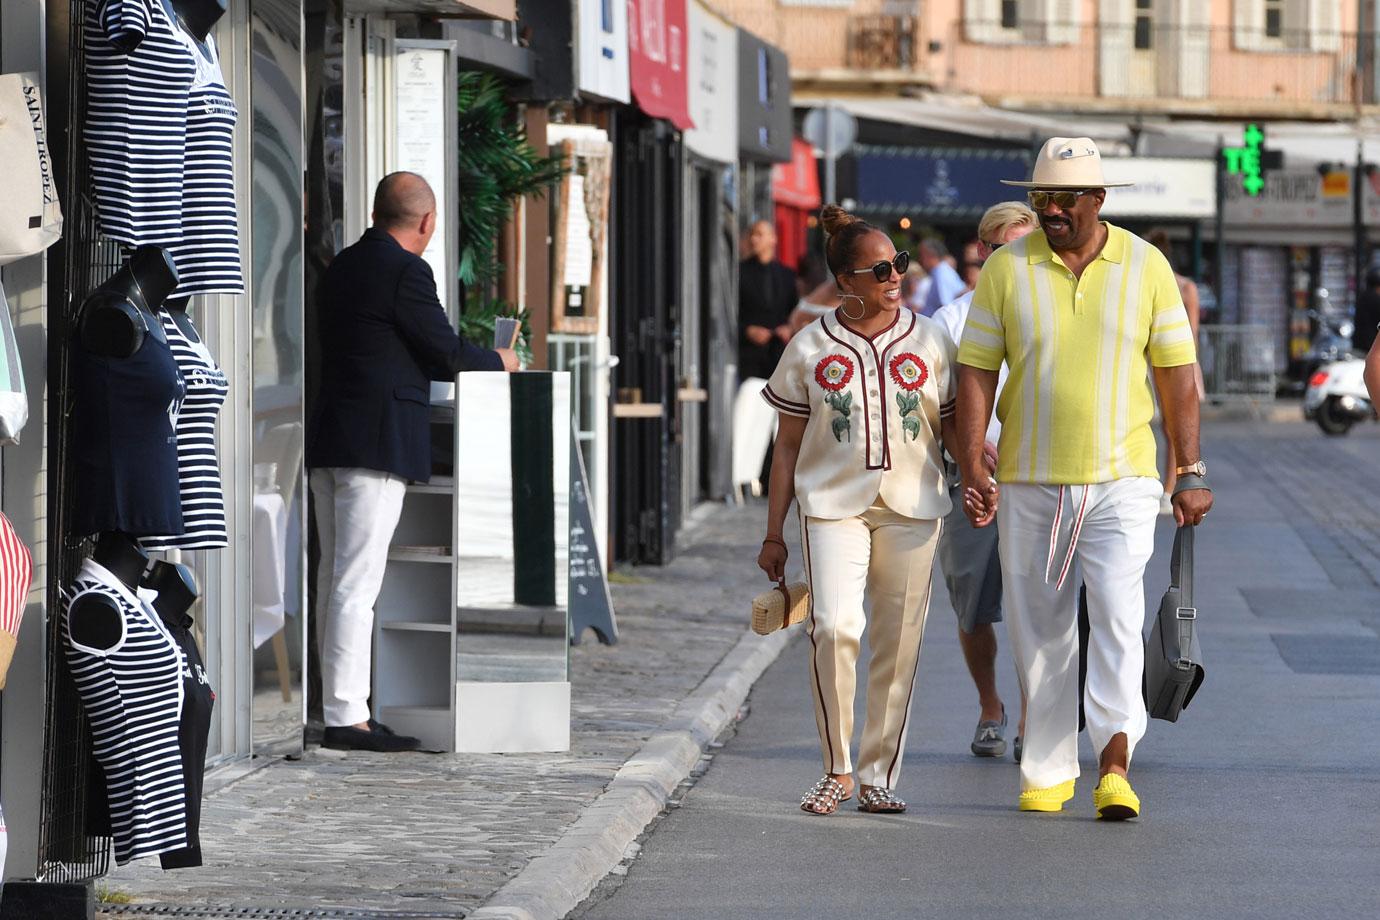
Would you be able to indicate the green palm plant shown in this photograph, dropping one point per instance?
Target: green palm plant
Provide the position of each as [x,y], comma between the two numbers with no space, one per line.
[497,166]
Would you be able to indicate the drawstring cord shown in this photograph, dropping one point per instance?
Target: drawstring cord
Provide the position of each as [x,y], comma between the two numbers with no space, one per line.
[1073,538]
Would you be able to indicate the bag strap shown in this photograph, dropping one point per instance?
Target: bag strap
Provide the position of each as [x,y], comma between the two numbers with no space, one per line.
[1181,565]
[786,607]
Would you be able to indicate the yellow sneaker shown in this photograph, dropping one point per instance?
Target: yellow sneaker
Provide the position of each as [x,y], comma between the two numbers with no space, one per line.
[1115,799]
[1050,798]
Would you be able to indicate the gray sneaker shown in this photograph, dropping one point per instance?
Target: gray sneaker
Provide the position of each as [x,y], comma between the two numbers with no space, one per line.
[988,740]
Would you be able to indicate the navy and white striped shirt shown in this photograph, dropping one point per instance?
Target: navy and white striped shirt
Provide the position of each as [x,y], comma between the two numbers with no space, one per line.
[208,255]
[133,694]
[136,119]
[198,467]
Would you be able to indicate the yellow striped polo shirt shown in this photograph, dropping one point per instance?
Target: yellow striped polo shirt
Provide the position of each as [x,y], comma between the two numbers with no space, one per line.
[1077,405]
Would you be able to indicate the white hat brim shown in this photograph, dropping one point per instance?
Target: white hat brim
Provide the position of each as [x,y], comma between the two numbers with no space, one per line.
[1058,185]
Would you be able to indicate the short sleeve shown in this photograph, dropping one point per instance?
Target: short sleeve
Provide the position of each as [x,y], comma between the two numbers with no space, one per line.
[1171,336]
[126,22]
[787,391]
[948,376]
[984,334]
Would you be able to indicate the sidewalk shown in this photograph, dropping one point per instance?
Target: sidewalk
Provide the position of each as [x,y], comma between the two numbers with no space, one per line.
[426,835]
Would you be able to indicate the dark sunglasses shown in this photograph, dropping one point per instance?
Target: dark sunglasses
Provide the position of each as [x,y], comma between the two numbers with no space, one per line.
[1039,200]
[882,270]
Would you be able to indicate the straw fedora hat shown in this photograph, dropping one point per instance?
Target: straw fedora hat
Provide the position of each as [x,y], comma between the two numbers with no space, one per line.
[1067,163]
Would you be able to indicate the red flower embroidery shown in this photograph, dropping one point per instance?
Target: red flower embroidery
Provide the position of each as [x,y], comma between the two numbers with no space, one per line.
[908,371]
[834,372]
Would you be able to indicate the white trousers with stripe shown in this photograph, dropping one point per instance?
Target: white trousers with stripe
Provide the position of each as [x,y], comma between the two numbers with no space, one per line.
[888,557]
[1115,539]
[357,511]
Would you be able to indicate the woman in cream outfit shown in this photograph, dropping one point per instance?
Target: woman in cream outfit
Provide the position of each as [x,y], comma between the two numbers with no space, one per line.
[862,394]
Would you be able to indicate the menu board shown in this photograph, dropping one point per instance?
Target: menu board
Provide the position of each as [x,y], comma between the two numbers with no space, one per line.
[422,83]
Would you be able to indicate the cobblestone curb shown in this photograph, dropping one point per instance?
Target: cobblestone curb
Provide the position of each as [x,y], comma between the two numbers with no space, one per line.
[554,882]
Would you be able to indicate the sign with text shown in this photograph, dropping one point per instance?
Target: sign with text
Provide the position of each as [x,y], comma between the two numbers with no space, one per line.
[424,111]
[657,57]
[603,49]
[713,86]
[1164,188]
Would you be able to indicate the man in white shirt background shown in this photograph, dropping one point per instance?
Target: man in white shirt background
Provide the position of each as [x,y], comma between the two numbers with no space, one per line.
[945,283]
[968,555]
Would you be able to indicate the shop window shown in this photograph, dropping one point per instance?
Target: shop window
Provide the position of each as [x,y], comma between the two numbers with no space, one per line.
[1145,25]
[1274,19]
[1010,14]
[606,16]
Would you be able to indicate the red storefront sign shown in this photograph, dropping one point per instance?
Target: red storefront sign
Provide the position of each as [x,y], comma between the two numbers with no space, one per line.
[657,57]
[797,183]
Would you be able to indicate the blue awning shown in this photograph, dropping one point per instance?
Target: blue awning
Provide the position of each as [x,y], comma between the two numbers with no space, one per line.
[928,183]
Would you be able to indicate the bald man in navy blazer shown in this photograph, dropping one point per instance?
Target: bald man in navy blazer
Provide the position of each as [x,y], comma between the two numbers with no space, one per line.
[384,338]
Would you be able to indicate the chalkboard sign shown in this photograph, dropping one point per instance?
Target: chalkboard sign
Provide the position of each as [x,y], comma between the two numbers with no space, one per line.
[590,604]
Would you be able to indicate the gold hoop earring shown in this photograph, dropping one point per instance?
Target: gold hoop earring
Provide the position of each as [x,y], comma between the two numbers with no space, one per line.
[859,300]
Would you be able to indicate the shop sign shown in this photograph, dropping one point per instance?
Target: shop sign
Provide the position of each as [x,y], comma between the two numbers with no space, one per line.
[935,183]
[796,184]
[424,81]
[603,49]
[1297,198]
[713,88]
[1164,188]
[657,56]
[764,100]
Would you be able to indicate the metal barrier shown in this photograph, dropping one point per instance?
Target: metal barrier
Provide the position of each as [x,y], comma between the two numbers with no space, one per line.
[1238,362]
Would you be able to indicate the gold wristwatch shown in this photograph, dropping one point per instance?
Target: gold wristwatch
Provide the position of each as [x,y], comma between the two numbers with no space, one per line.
[1197,468]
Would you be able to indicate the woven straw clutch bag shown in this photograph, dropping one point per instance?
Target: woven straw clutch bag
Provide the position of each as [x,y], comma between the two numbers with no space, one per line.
[780,607]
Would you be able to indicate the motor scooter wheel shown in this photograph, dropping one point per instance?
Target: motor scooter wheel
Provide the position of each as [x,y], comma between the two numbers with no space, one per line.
[1332,419]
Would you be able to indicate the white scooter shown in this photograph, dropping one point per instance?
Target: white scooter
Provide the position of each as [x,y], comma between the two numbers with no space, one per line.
[1336,397]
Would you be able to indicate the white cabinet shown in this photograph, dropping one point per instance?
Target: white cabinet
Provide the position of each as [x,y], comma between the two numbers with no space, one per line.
[471,645]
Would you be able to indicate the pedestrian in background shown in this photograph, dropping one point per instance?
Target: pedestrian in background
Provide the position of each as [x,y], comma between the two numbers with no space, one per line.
[384,338]
[1188,290]
[766,297]
[1082,311]
[968,555]
[945,283]
[1367,314]
[862,395]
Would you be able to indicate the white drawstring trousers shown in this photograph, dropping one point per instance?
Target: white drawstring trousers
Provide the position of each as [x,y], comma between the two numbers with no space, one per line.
[1103,535]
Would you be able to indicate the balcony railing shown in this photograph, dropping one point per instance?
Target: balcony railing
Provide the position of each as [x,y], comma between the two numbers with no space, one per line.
[1166,62]
[883,42]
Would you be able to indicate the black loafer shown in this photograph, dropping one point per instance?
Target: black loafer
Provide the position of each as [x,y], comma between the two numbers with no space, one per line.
[348,738]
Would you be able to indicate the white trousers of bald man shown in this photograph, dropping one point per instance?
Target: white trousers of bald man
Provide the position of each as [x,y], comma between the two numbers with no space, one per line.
[888,556]
[1101,535]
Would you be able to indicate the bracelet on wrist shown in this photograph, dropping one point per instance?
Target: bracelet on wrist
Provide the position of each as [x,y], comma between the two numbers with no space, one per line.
[777,540]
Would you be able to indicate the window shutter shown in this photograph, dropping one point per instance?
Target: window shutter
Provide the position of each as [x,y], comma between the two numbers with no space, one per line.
[1063,18]
[1183,70]
[1248,24]
[1114,41]
[1324,25]
[982,21]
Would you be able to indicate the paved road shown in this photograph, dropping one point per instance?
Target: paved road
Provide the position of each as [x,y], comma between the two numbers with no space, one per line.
[1261,802]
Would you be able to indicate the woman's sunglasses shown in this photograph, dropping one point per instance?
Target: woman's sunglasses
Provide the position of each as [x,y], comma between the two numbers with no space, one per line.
[882,270]
[1065,199]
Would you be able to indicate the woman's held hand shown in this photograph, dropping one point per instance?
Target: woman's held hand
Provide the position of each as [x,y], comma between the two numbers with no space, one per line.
[772,560]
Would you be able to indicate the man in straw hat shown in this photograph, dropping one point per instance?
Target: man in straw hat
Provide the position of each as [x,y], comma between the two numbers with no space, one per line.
[1081,311]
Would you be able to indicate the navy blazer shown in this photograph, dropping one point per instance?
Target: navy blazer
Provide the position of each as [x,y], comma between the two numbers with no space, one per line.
[384,338]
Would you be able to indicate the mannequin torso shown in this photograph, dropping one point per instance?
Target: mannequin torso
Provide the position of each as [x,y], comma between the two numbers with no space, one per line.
[118,315]
[198,17]
[176,591]
[94,619]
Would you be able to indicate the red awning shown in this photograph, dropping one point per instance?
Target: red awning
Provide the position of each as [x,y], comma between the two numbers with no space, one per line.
[657,59]
[796,184]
